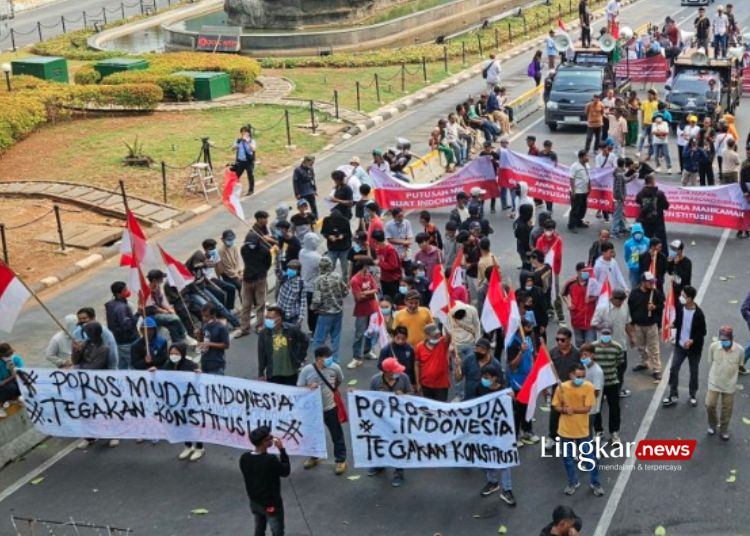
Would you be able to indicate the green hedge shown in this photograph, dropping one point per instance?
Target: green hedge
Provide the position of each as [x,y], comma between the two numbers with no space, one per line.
[176,88]
[87,75]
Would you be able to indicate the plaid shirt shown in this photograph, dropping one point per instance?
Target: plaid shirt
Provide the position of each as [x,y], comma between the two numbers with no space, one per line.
[293,300]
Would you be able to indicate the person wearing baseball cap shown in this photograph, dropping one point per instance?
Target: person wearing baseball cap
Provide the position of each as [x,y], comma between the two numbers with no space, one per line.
[645,304]
[725,357]
[393,380]
[617,317]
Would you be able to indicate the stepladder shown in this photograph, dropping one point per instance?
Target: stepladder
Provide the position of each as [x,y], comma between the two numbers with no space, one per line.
[201,180]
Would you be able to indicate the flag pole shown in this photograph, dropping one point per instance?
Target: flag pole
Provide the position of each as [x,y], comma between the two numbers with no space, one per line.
[40,302]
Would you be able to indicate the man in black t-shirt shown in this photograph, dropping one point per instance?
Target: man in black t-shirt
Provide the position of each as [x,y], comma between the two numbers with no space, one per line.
[342,196]
[584,17]
[213,341]
[702,29]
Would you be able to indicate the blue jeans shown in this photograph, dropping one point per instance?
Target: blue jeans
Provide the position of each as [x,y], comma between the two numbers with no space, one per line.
[720,45]
[361,323]
[173,324]
[747,352]
[490,130]
[342,258]
[570,463]
[198,301]
[123,356]
[504,198]
[635,278]
[646,136]
[662,149]
[328,325]
[619,224]
[583,336]
[502,476]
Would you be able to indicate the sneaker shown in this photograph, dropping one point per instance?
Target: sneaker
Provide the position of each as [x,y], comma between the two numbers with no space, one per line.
[710,431]
[658,169]
[597,489]
[490,488]
[657,377]
[84,444]
[570,489]
[354,363]
[549,445]
[639,368]
[671,400]
[743,370]
[693,402]
[616,437]
[669,171]
[508,498]
[371,356]
[3,413]
[398,479]
[530,439]
[114,443]
[725,437]
[310,463]
[600,433]
[372,471]
[197,454]
[624,393]
[185,454]
[598,214]
[340,468]
[239,333]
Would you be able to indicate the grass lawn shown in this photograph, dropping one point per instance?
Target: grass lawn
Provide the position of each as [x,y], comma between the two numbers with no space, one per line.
[90,150]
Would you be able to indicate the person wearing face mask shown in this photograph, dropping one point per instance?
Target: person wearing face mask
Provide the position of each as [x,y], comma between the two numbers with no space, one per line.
[581,303]
[292,297]
[149,352]
[391,379]
[358,251]
[427,255]
[9,362]
[635,246]
[389,263]
[60,346]
[309,259]
[328,294]
[565,522]
[121,322]
[690,327]
[364,291]
[431,366]
[282,349]
[595,375]
[230,265]
[469,368]
[535,302]
[179,362]
[617,315]
[551,241]
[520,356]
[402,350]
[573,400]
[563,356]
[645,303]
[606,268]
[325,374]
[679,266]
[609,355]
[338,234]
[724,360]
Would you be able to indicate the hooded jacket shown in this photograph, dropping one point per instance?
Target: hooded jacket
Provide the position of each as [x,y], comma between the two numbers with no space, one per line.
[282,214]
[537,231]
[60,346]
[329,290]
[309,258]
[522,228]
[635,248]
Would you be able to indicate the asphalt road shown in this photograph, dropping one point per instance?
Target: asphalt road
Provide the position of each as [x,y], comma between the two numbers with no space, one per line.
[145,488]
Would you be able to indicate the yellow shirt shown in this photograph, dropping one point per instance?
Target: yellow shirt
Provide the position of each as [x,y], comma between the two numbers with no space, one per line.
[414,323]
[649,109]
[574,426]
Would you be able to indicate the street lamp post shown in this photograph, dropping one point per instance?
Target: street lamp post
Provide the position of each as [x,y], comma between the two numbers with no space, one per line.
[6,69]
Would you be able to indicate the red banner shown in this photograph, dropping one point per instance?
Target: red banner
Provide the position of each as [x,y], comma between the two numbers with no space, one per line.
[391,192]
[653,69]
[717,206]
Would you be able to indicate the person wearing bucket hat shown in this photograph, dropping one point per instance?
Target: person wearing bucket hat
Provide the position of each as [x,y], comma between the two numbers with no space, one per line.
[725,357]
[391,379]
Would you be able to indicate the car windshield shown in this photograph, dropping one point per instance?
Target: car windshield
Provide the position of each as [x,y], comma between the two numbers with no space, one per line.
[694,82]
[579,81]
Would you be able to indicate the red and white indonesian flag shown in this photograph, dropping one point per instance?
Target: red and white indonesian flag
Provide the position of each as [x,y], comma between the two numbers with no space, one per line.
[440,302]
[549,258]
[232,194]
[495,312]
[514,317]
[134,244]
[561,24]
[602,302]
[138,284]
[542,375]
[668,314]
[178,275]
[456,278]
[377,325]
[13,295]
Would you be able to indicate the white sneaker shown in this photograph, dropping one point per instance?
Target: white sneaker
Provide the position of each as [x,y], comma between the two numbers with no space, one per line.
[658,169]
[616,437]
[84,444]
[669,171]
[185,454]
[3,413]
[371,356]
[190,342]
[354,363]
[114,443]
[197,455]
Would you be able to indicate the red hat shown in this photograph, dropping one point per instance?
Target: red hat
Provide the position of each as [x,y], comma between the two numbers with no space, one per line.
[392,365]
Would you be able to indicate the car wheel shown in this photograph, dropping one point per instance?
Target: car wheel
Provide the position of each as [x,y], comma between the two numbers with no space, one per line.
[552,126]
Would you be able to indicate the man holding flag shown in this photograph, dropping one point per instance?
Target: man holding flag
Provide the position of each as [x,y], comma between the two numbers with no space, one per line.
[520,361]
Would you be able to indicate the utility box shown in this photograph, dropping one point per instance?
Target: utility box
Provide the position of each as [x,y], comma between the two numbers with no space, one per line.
[208,85]
[117,65]
[46,68]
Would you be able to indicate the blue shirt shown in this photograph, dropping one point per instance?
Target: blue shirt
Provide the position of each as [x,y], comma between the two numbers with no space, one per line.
[472,373]
[4,371]
[518,376]
[493,103]
[244,149]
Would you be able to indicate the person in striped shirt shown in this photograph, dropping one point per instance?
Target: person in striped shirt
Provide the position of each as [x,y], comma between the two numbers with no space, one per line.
[609,355]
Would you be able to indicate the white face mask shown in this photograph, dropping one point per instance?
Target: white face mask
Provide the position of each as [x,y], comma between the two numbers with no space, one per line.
[683,300]
[175,358]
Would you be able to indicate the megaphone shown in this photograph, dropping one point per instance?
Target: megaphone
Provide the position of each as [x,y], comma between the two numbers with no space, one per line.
[686,37]
[736,53]
[626,32]
[562,42]
[607,43]
[699,58]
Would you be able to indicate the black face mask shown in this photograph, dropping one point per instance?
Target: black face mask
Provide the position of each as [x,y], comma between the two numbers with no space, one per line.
[480,355]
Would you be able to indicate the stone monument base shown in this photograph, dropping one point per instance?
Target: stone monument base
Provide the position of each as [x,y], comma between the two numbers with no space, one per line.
[292,14]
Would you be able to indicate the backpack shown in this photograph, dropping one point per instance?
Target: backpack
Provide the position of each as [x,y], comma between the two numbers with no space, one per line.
[487,69]
[649,209]
[531,71]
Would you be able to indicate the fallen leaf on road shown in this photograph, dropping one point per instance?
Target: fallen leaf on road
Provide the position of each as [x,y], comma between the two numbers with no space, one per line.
[733,471]
[734,301]
[199,511]
[353,477]
[746,421]
[502,529]
[660,531]
[692,242]
[36,481]
[731,479]
[476,516]
[352,382]
[722,278]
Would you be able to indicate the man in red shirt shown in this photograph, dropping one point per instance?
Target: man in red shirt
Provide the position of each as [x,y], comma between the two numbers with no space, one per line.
[364,291]
[389,263]
[552,241]
[581,303]
[431,366]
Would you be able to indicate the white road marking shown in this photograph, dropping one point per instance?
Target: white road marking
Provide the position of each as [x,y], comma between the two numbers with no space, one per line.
[31,475]
[602,528]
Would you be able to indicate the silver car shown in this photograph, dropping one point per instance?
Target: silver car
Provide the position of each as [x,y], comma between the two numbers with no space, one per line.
[694,2]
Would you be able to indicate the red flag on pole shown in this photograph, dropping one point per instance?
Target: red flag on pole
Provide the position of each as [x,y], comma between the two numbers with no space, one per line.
[542,375]
[177,274]
[232,193]
[495,313]
[13,296]
[668,315]
[134,244]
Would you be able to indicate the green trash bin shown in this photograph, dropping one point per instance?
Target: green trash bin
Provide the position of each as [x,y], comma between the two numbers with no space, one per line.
[46,68]
[208,85]
[116,65]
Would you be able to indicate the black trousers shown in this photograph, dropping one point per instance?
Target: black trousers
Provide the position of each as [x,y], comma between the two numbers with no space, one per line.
[310,198]
[577,210]
[679,356]
[596,134]
[439,394]
[246,166]
[554,418]
[312,316]
[706,173]
[610,393]
[519,416]
[586,36]
[622,368]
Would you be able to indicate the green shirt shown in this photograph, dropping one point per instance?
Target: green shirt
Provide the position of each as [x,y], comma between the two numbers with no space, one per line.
[282,360]
[609,357]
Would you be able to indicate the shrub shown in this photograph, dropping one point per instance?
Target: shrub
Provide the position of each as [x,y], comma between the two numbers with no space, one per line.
[241,70]
[177,88]
[20,114]
[87,75]
[73,46]
[133,96]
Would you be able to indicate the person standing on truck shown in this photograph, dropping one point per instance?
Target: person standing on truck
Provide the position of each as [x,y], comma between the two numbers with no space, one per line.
[720,25]
[584,17]
[702,28]
[613,12]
